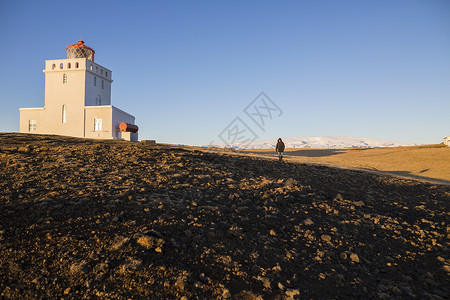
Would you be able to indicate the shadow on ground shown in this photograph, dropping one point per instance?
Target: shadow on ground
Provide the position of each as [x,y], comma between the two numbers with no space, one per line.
[290,156]
[408,174]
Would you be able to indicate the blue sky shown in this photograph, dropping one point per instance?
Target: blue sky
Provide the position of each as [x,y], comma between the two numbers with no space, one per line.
[187,69]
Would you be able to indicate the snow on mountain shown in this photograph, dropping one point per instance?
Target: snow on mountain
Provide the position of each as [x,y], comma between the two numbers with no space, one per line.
[324,142]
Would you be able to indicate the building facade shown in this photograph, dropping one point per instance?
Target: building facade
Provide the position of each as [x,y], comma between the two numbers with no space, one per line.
[447,141]
[77,100]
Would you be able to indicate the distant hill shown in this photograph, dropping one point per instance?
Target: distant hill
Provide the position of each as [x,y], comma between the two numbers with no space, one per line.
[324,142]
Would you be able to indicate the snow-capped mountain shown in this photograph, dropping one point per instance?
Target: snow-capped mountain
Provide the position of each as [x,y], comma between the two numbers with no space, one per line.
[325,142]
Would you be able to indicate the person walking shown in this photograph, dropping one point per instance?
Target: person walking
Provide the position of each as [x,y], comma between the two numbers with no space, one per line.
[280,149]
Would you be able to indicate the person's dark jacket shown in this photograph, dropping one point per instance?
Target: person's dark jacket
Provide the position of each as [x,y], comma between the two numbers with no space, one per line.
[280,146]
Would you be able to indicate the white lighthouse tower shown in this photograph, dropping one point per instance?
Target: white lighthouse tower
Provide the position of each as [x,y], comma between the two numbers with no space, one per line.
[78,100]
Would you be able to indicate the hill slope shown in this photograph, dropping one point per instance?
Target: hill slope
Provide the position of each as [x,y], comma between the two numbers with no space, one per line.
[108,219]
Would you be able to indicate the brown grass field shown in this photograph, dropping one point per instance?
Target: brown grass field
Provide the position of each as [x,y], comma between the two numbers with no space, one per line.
[429,163]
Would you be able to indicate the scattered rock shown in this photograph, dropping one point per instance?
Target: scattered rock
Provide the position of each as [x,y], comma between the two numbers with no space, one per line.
[326,238]
[446,268]
[83,219]
[354,258]
[119,243]
[358,203]
[291,293]
[265,281]
[290,182]
[308,222]
[226,294]
[181,282]
[130,265]
[79,268]
[88,284]
[149,242]
[338,198]
[235,231]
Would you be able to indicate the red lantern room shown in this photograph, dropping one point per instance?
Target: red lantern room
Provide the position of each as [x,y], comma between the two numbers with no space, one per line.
[80,50]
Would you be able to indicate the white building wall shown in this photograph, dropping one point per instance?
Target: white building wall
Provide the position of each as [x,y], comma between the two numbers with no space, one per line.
[36,114]
[111,118]
[98,84]
[104,113]
[64,86]
[447,141]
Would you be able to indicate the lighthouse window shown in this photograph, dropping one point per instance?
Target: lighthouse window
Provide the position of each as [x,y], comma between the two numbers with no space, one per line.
[32,125]
[101,71]
[53,66]
[64,78]
[63,114]
[106,74]
[95,81]
[77,65]
[69,65]
[61,66]
[103,84]
[90,67]
[97,124]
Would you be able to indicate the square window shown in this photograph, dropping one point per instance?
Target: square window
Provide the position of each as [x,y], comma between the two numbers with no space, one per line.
[32,125]
[97,124]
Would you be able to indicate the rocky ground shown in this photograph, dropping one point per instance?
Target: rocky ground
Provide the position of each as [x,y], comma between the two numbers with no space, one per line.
[117,220]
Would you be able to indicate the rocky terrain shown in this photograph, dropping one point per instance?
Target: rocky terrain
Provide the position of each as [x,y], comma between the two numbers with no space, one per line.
[117,220]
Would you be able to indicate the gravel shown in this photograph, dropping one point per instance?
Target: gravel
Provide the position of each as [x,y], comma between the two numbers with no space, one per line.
[82,218]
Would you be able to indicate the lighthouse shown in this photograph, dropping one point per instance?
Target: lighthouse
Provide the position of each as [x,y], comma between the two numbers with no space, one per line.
[78,100]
